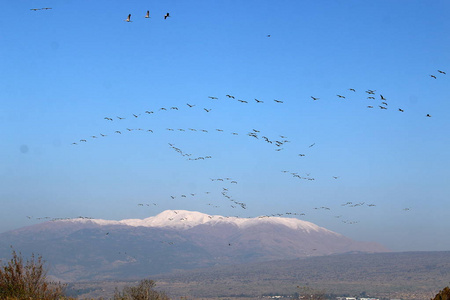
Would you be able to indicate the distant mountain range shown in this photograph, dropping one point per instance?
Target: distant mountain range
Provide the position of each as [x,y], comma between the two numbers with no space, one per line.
[93,249]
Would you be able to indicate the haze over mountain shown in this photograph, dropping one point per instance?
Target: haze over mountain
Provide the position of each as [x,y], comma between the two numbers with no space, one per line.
[86,249]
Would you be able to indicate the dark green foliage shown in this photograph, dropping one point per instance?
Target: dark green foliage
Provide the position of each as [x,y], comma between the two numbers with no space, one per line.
[143,291]
[443,295]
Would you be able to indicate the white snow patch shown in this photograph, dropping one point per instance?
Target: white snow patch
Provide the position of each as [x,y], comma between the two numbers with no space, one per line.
[183,219]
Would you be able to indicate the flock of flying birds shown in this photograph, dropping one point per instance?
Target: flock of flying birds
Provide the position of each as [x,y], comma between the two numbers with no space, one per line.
[254,133]
[44,8]
[147,16]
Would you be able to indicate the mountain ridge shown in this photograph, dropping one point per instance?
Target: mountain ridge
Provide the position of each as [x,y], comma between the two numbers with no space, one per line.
[188,219]
[84,249]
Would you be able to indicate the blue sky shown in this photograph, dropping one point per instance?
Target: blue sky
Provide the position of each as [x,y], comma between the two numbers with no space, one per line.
[67,68]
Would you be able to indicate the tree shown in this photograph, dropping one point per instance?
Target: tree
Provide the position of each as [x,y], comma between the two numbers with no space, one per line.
[19,280]
[143,291]
[443,295]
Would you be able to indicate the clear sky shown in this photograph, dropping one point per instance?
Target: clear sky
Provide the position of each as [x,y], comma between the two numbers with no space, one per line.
[64,70]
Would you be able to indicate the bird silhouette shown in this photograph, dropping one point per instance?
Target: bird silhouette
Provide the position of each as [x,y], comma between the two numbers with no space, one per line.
[148,14]
[128,19]
[166,16]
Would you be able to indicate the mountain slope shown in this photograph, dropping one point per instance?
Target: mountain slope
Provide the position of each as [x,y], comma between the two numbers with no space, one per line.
[86,249]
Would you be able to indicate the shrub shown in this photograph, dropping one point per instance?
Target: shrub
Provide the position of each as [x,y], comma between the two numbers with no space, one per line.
[443,295]
[143,291]
[19,280]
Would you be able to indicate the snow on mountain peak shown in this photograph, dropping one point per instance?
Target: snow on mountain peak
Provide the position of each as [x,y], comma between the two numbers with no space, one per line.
[183,219]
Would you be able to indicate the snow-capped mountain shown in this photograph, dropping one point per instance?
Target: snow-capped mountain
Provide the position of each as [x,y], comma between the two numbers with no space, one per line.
[174,239]
[183,219]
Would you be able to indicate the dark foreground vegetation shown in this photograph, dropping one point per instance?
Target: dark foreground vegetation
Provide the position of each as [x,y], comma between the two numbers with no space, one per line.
[443,295]
[27,280]
[20,280]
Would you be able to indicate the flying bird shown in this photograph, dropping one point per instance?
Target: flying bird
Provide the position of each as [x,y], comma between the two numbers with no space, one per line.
[214,98]
[340,96]
[207,110]
[166,16]
[442,72]
[400,110]
[314,98]
[278,101]
[432,76]
[353,90]
[128,19]
[35,9]
[428,115]
[148,14]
